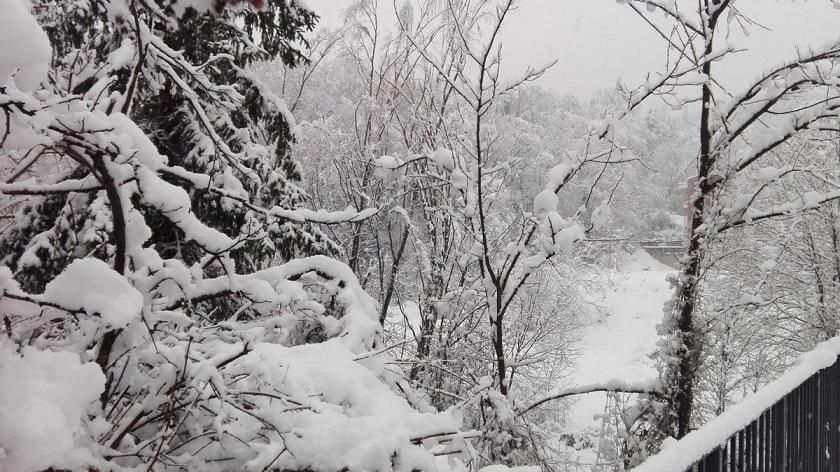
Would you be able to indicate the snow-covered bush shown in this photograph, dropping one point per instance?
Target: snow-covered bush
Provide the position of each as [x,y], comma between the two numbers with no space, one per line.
[156,312]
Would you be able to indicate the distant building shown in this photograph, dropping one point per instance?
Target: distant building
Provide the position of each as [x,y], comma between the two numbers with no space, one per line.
[691,188]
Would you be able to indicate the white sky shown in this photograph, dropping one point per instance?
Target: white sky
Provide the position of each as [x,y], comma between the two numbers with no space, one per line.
[597,42]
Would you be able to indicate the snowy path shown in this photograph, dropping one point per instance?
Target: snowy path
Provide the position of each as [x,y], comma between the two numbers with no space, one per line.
[617,345]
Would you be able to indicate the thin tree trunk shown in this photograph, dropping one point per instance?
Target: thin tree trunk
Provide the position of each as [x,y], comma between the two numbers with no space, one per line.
[103,357]
[395,267]
[689,336]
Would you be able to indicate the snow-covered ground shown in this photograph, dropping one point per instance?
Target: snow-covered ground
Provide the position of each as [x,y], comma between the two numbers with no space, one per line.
[619,341]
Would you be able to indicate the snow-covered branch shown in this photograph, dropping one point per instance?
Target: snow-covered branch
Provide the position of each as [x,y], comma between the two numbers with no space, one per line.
[613,386]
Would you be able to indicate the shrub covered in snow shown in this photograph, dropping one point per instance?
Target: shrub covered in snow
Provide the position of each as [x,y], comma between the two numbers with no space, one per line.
[158,312]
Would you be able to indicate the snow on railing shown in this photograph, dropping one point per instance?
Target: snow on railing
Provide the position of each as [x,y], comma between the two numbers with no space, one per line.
[790,424]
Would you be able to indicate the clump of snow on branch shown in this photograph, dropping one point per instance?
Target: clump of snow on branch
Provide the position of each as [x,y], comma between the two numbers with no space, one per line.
[91,286]
[26,52]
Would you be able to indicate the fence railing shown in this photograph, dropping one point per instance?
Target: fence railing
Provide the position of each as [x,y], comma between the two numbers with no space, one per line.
[790,425]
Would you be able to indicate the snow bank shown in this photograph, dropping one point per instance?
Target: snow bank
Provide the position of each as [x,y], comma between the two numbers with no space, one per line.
[26,49]
[684,453]
[351,420]
[45,397]
[641,260]
[504,468]
[617,343]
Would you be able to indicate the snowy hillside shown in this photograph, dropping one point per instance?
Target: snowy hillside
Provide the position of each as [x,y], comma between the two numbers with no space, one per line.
[618,343]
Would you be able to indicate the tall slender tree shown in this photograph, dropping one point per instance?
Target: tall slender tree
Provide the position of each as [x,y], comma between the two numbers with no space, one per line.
[738,132]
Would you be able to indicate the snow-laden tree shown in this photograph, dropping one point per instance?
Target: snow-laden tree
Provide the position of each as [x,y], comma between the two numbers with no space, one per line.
[739,133]
[239,135]
[155,312]
[773,290]
[404,136]
[502,249]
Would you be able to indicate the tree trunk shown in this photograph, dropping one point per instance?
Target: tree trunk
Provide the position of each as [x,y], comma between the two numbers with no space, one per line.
[688,334]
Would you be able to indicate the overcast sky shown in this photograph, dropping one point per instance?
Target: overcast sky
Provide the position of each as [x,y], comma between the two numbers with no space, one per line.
[599,41]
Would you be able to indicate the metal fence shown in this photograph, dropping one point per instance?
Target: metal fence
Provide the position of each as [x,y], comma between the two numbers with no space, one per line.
[799,433]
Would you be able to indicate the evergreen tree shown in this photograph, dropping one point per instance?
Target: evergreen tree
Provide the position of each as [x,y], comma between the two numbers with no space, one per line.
[239,135]
[157,311]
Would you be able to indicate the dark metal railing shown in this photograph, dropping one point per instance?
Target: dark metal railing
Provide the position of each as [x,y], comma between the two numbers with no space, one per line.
[799,433]
[792,424]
